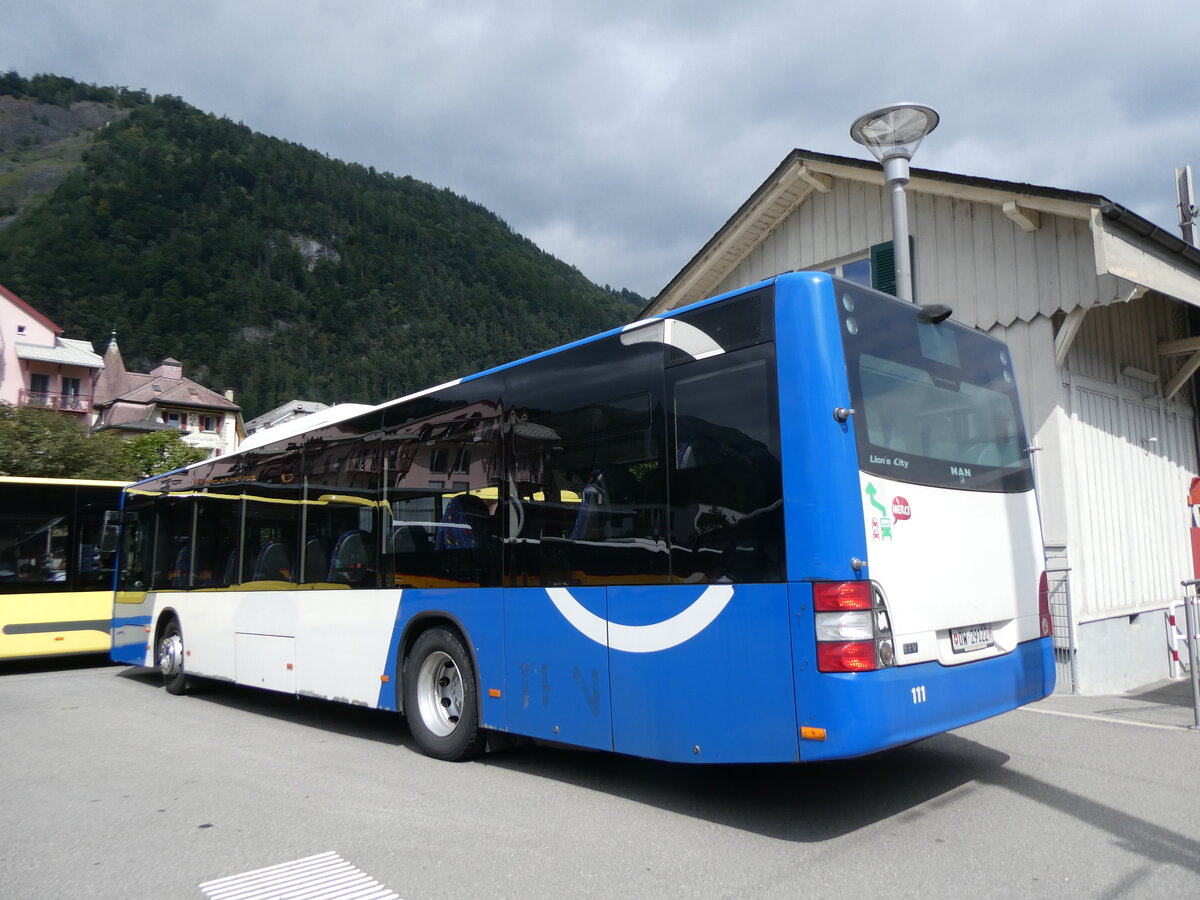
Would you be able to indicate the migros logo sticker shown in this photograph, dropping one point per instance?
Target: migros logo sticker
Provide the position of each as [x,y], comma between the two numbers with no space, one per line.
[882,516]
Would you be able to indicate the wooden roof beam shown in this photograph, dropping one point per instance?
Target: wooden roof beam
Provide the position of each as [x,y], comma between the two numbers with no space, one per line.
[818,181]
[1026,219]
[1179,347]
[1066,335]
[1186,371]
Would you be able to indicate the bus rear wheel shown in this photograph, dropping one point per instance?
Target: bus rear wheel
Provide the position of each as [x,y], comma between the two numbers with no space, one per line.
[170,659]
[441,697]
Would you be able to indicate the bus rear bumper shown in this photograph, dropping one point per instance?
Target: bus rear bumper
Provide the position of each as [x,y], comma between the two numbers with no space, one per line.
[867,712]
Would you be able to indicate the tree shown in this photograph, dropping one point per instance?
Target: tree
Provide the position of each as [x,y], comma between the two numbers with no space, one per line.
[157,452]
[42,443]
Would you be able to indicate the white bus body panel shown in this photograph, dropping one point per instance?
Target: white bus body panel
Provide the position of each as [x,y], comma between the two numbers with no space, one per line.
[950,559]
[328,644]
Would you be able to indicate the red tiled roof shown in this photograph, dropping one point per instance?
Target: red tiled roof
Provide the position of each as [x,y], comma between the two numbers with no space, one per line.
[172,392]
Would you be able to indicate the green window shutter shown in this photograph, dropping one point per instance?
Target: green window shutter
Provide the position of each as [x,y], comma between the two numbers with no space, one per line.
[883,266]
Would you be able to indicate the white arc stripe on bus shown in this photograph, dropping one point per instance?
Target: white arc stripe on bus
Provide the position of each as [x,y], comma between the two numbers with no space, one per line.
[644,638]
[680,335]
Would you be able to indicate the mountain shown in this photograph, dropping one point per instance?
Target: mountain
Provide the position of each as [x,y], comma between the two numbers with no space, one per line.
[263,265]
[45,125]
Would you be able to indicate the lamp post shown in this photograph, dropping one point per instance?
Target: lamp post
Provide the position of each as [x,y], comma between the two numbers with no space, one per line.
[892,134]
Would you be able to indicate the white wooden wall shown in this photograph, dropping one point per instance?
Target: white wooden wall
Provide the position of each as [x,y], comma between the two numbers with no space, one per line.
[1131,459]
[969,255]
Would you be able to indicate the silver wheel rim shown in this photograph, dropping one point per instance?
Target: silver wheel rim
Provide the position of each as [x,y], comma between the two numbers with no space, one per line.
[170,655]
[439,693]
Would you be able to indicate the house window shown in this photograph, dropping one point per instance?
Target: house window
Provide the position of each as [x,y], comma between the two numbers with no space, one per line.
[876,268]
[39,389]
[209,423]
[174,419]
[72,388]
[856,270]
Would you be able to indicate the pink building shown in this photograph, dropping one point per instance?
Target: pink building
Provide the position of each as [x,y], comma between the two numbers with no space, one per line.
[40,368]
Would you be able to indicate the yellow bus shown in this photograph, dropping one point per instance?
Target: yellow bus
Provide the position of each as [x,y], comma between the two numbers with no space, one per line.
[56,581]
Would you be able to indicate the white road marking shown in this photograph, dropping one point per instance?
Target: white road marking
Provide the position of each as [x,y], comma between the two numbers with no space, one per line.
[323,875]
[1067,715]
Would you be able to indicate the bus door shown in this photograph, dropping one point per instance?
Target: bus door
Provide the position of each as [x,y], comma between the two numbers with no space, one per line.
[555,624]
[584,436]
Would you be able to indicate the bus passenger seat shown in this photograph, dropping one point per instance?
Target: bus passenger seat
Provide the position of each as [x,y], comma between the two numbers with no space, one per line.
[316,563]
[940,441]
[351,562]
[181,571]
[232,576]
[464,524]
[274,563]
[409,539]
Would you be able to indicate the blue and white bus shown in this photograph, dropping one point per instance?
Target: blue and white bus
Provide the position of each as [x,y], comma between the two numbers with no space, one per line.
[794,522]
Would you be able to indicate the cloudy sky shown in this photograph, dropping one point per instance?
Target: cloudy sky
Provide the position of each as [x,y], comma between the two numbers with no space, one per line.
[620,134]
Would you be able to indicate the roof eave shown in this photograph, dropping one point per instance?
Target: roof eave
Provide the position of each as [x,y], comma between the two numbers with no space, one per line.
[719,255]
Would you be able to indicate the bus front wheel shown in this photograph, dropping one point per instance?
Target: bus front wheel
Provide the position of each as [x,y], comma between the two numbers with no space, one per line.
[441,697]
[170,659]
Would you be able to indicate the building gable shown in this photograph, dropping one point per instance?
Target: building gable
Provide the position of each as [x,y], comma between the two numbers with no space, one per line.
[996,252]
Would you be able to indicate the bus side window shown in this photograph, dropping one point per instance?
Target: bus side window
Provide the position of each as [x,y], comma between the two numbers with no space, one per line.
[32,544]
[726,490]
[173,548]
[137,542]
[589,487]
[442,490]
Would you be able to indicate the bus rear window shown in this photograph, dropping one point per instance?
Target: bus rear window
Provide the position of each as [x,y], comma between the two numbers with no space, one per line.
[935,404]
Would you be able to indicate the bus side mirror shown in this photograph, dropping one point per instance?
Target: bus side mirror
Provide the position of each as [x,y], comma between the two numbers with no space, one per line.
[110,532]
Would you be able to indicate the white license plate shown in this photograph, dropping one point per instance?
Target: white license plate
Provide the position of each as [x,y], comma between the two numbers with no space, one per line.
[973,637]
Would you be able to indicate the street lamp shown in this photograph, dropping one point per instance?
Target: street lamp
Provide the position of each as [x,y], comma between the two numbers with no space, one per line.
[892,134]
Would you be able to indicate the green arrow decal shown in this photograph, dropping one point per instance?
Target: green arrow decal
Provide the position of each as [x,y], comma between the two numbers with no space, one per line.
[875,503]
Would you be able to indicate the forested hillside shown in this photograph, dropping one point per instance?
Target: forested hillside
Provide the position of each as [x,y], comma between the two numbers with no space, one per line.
[269,268]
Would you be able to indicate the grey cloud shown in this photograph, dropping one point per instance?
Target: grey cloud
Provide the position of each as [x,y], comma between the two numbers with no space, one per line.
[621,135]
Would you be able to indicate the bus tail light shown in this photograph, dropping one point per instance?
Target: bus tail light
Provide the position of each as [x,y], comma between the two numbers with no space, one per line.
[1044,617]
[854,633]
[831,596]
[855,656]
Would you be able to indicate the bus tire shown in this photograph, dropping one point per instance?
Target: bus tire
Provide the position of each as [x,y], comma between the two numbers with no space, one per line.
[441,697]
[170,658]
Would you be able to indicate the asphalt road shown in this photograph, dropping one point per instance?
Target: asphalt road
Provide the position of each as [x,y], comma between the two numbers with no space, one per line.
[114,789]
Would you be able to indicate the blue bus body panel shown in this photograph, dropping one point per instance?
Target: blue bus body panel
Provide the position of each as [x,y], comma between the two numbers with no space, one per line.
[129,636]
[822,510]
[866,712]
[723,695]
[556,677]
[479,614]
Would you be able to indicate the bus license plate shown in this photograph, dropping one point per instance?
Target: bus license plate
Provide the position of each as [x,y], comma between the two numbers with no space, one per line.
[973,637]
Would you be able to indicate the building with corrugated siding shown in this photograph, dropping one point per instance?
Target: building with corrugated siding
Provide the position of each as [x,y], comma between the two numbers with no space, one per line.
[1098,307]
